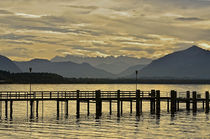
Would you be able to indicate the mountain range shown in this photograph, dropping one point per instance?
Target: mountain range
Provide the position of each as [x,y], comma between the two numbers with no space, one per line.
[192,63]
[114,65]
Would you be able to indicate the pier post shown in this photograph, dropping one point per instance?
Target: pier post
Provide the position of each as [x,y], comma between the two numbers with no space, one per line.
[158,102]
[110,107]
[58,109]
[194,101]
[66,108]
[177,105]
[152,102]
[98,104]
[88,107]
[118,103]
[207,102]
[6,109]
[173,101]
[11,109]
[167,105]
[37,108]
[188,101]
[78,105]
[31,109]
[121,107]
[131,107]
[137,102]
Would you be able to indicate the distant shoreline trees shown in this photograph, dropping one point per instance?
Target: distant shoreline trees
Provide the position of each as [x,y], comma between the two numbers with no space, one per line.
[51,78]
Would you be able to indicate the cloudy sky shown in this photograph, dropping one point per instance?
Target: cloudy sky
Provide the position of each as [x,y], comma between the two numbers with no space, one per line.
[138,28]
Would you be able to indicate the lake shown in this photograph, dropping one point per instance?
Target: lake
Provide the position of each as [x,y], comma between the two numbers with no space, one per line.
[183,125]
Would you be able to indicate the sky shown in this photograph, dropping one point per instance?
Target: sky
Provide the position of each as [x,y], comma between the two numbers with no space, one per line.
[136,28]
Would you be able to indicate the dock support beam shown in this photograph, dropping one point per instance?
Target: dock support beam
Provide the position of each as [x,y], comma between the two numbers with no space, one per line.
[188,101]
[78,105]
[118,103]
[11,109]
[66,108]
[121,108]
[31,109]
[152,102]
[58,109]
[194,101]
[131,107]
[158,102]
[173,102]
[207,102]
[37,108]
[110,107]
[88,107]
[168,105]
[98,104]
[137,102]
[6,109]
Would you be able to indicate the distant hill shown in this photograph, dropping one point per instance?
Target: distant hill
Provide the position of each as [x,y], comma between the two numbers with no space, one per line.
[131,71]
[7,65]
[192,63]
[65,69]
[111,64]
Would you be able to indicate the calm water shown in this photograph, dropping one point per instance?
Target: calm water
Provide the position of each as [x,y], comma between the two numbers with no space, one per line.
[183,125]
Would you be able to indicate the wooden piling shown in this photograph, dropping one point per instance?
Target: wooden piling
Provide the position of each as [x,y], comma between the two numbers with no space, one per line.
[58,109]
[110,107]
[98,104]
[6,109]
[88,107]
[66,108]
[31,109]
[188,101]
[168,105]
[11,109]
[152,102]
[121,107]
[173,102]
[158,102]
[137,102]
[78,105]
[37,108]
[207,102]
[118,103]
[131,107]
[194,101]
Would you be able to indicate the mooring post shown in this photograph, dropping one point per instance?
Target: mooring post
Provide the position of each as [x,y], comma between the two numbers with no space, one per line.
[118,103]
[152,102]
[207,102]
[31,109]
[131,107]
[158,102]
[78,105]
[173,101]
[37,108]
[11,109]
[110,107]
[88,107]
[137,102]
[6,109]
[98,104]
[188,101]
[194,101]
[66,108]
[177,105]
[167,105]
[58,109]
[121,107]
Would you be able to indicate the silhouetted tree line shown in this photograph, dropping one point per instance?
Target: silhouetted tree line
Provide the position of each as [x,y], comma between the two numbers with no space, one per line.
[50,78]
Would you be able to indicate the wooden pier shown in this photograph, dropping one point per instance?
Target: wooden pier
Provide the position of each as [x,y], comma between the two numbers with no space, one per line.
[155,97]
